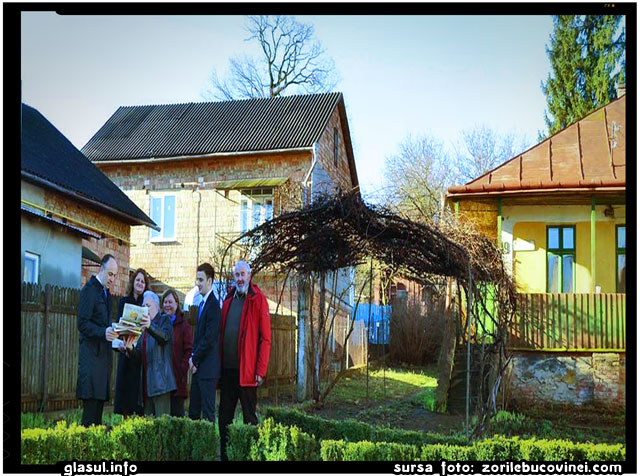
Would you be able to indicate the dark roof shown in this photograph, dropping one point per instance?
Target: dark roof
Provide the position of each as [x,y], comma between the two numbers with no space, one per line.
[249,125]
[588,154]
[49,159]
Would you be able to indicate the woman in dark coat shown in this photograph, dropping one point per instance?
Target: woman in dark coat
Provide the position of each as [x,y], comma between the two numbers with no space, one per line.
[182,348]
[128,372]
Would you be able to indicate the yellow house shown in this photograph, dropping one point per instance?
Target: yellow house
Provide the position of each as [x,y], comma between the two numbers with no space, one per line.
[559,212]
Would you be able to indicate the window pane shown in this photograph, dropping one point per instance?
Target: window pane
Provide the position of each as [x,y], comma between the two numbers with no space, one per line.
[553,238]
[622,237]
[268,215]
[553,281]
[169,226]
[244,215]
[156,214]
[567,274]
[567,238]
[622,273]
[29,270]
[257,215]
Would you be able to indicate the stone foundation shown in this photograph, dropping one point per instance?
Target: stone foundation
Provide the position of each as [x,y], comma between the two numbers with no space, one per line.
[574,379]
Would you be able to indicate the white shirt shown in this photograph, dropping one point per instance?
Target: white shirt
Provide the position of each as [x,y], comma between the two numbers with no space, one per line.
[206,296]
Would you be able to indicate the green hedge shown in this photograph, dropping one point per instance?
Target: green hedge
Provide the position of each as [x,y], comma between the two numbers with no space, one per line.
[64,443]
[40,420]
[352,430]
[270,442]
[137,439]
[493,449]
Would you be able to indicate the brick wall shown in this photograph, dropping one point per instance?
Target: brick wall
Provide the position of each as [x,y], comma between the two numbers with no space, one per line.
[579,379]
[340,174]
[206,218]
[99,222]
[119,250]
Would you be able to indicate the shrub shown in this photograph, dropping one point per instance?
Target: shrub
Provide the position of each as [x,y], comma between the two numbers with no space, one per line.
[338,450]
[33,420]
[65,443]
[241,438]
[447,453]
[270,442]
[137,439]
[493,449]
[277,442]
[39,420]
[604,452]
[352,430]
[332,450]
[498,448]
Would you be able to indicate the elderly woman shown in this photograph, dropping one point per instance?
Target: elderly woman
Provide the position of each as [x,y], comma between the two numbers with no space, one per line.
[125,400]
[182,348]
[154,350]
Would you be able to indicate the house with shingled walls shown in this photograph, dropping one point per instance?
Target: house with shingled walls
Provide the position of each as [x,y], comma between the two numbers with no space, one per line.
[206,172]
[71,213]
[558,210]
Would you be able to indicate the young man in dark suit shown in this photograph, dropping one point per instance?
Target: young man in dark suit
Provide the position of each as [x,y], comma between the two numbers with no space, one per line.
[96,335]
[205,359]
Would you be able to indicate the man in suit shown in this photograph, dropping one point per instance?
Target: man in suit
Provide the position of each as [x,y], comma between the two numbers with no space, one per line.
[205,359]
[96,334]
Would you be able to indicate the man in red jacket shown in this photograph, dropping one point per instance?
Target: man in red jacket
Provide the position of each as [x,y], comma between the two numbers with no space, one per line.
[245,343]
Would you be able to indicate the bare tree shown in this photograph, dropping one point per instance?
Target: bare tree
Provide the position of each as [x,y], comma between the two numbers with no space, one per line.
[416,176]
[482,149]
[292,60]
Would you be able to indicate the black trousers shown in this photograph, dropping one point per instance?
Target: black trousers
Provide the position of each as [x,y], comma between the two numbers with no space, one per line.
[92,412]
[230,393]
[177,406]
[202,403]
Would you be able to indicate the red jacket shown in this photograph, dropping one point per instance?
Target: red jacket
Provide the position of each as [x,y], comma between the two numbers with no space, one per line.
[254,335]
[182,348]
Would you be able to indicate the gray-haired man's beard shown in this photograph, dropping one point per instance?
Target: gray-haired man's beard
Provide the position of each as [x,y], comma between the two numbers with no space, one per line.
[243,289]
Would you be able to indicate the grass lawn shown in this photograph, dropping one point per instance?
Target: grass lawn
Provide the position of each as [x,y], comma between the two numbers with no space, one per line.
[401,397]
[384,385]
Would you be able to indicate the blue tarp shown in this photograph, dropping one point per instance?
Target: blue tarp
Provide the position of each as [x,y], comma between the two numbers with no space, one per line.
[379,328]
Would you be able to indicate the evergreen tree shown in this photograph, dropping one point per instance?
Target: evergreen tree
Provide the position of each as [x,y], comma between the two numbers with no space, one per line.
[587,57]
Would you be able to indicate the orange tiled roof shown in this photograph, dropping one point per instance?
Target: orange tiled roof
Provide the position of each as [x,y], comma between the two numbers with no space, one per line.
[587,154]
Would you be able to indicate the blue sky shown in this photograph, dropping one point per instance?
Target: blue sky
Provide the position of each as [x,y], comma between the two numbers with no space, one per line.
[435,75]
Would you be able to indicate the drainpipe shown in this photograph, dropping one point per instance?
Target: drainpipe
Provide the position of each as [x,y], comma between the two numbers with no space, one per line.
[303,296]
[314,152]
[196,190]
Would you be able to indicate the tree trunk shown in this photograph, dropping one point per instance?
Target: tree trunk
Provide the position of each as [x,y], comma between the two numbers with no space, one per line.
[447,352]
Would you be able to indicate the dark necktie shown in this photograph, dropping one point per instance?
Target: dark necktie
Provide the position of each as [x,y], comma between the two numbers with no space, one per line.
[200,309]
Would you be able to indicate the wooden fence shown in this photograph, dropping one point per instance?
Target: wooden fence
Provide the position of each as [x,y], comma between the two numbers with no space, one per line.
[569,321]
[50,341]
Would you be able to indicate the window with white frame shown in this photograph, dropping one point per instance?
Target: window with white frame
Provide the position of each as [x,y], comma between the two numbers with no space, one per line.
[31,267]
[163,212]
[256,207]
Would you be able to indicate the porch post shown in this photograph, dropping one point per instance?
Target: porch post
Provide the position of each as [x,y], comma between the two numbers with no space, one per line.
[593,244]
[455,207]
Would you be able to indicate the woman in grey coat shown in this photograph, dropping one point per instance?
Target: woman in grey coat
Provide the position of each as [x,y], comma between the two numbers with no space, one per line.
[154,351]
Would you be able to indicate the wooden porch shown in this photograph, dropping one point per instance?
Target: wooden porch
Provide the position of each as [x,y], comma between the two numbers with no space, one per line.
[570,322]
